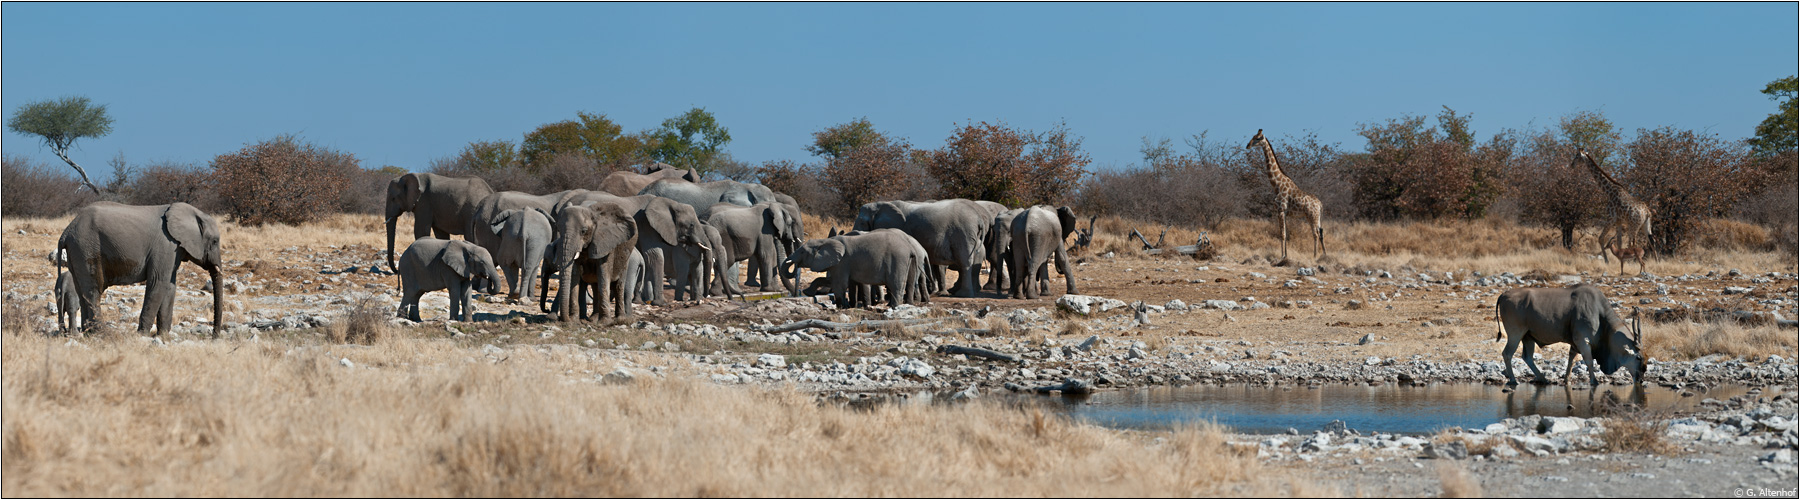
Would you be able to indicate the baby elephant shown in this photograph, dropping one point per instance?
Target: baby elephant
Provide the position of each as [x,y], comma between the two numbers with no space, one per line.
[68,302]
[431,264]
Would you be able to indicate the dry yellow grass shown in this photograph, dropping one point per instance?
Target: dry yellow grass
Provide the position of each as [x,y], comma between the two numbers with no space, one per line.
[117,418]
[1684,341]
[1638,433]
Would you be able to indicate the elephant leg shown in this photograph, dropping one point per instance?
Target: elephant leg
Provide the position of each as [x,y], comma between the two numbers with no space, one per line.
[602,289]
[1062,266]
[840,288]
[151,314]
[512,282]
[653,271]
[457,292]
[765,265]
[528,281]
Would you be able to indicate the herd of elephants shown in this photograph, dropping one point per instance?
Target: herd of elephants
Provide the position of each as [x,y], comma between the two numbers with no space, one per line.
[620,244]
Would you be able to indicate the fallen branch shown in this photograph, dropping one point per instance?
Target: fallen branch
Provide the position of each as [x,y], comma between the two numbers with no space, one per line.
[833,325]
[1141,239]
[979,352]
[1069,386]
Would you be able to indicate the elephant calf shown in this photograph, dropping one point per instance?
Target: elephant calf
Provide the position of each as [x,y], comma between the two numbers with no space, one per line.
[432,264]
[68,303]
[882,257]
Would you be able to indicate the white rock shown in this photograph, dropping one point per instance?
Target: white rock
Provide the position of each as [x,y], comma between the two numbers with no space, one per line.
[1783,456]
[917,368]
[618,376]
[771,361]
[346,363]
[1558,425]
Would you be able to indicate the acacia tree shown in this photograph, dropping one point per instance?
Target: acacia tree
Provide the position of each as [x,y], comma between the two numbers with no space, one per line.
[690,140]
[1776,134]
[60,123]
[593,136]
[1412,170]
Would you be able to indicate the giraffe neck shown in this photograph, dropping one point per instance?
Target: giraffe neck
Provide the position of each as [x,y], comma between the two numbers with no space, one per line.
[1276,178]
[1612,186]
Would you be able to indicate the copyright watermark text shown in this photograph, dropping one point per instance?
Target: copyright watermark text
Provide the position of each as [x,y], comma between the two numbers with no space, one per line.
[1764,492]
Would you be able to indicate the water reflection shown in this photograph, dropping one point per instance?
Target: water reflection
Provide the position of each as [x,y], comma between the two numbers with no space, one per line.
[1260,409]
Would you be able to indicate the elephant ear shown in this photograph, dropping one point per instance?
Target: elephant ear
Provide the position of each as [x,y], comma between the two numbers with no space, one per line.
[1066,216]
[828,254]
[834,232]
[660,213]
[414,188]
[456,257]
[187,227]
[611,229]
[691,175]
[499,223]
[773,216]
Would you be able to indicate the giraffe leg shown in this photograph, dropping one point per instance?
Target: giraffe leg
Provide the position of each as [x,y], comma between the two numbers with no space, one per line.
[1283,217]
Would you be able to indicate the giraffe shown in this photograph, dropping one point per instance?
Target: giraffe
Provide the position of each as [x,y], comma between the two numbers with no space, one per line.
[1285,193]
[1624,211]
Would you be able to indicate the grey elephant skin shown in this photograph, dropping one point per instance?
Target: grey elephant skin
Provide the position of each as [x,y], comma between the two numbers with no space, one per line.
[111,244]
[525,235]
[442,206]
[999,251]
[670,238]
[594,244]
[886,257]
[1579,315]
[952,232]
[624,183]
[68,302]
[717,272]
[487,212]
[762,235]
[701,195]
[1038,235]
[457,266]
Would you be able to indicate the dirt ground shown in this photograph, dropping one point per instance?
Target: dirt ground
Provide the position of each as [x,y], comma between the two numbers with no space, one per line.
[1317,312]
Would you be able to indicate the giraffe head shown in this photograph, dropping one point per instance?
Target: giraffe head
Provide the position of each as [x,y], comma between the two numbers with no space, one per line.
[1257,139]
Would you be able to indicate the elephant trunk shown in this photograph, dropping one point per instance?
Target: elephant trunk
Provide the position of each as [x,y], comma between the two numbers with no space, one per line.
[563,297]
[218,299]
[390,243]
[543,291]
[790,273]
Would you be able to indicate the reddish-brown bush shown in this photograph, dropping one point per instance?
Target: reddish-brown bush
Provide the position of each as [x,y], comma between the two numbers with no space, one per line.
[281,180]
[1685,178]
[162,183]
[994,162]
[802,182]
[32,189]
[1414,171]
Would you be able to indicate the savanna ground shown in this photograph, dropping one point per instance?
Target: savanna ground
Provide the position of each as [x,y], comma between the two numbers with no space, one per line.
[420,411]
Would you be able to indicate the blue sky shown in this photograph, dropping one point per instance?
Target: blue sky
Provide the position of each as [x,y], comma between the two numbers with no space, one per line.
[400,84]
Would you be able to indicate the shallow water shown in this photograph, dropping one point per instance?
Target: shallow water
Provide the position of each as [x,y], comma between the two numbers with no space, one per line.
[1385,408]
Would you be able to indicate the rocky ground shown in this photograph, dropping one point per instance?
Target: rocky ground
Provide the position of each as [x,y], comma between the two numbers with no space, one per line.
[1142,322]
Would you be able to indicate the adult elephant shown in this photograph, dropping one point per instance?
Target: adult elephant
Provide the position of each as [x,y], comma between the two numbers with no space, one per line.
[593,247]
[761,234]
[670,238]
[525,237]
[1037,238]
[999,250]
[441,205]
[702,195]
[626,183]
[950,230]
[112,244]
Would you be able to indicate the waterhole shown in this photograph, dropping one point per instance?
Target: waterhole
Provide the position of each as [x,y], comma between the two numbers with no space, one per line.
[1386,408]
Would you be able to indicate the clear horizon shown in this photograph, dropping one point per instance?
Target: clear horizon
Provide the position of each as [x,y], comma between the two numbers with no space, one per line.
[401,84]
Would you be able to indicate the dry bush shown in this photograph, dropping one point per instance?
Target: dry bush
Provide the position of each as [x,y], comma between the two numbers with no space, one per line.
[1457,481]
[32,189]
[566,171]
[1687,341]
[872,172]
[1686,178]
[365,322]
[1415,171]
[510,178]
[1015,167]
[162,183]
[281,180]
[1073,328]
[1638,433]
[121,420]
[365,190]
[15,318]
